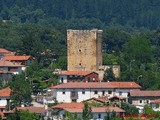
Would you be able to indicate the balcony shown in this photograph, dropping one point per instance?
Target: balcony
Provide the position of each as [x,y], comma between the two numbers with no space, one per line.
[74,95]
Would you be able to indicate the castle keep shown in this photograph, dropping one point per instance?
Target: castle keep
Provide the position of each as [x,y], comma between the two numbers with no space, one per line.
[84,49]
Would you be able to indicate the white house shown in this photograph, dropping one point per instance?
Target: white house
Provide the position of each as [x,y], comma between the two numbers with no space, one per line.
[142,98]
[4,98]
[98,113]
[155,105]
[78,92]
[78,76]
[11,67]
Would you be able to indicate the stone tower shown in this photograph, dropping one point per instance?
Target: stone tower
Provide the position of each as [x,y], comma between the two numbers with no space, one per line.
[84,49]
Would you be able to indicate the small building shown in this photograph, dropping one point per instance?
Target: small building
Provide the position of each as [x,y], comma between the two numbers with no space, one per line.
[155,104]
[21,60]
[11,67]
[98,113]
[78,76]
[41,111]
[142,98]
[5,52]
[4,98]
[78,92]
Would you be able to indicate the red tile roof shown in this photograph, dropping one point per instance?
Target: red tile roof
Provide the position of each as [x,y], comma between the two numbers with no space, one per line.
[157,101]
[102,99]
[2,50]
[33,109]
[139,93]
[78,73]
[78,107]
[5,92]
[8,64]
[125,84]
[129,85]
[69,105]
[16,58]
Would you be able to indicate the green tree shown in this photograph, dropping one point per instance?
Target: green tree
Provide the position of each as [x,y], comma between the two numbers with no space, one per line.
[129,108]
[23,115]
[87,112]
[109,75]
[21,91]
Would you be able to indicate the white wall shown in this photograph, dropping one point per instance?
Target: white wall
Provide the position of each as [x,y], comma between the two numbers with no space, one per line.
[89,93]
[155,107]
[3,102]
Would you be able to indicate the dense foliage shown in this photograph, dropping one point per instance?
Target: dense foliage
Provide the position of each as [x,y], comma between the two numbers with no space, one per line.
[84,13]
[23,115]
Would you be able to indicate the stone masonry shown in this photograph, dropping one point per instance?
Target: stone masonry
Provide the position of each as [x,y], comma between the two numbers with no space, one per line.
[84,49]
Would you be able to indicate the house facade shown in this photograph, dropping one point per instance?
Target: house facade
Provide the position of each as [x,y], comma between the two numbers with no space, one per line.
[5,76]
[142,98]
[4,98]
[155,104]
[78,92]
[21,60]
[11,67]
[5,52]
[78,76]
[98,113]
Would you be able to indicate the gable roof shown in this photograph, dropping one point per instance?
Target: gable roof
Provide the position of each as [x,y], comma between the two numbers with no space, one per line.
[8,64]
[78,73]
[102,100]
[9,58]
[140,93]
[123,85]
[78,107]
[33,109]
[69,105]
[5,92]
[2,50]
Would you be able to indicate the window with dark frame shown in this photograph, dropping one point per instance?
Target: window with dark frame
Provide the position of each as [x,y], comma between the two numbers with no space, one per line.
[103,93]
[140,101]
[109,92]
[83,92]
[63,92]
[99,115]
[95,92]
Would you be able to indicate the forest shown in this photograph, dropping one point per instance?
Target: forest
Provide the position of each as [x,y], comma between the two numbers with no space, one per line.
[131,35]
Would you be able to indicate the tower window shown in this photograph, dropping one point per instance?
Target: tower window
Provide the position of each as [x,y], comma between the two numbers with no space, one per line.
[80,50]
[79,63]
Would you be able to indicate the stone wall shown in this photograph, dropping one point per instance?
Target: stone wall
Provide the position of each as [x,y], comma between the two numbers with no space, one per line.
[84,49]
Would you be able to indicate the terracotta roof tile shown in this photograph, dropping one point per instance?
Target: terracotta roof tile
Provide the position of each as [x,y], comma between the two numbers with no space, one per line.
[157,101]
[100,99]
[140,93]
[69,105]
[7,58]
[5,92]
[2,50]
[125,84]
[96,109]
[33,109]
[130,85]
[78,107]
[9,64]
